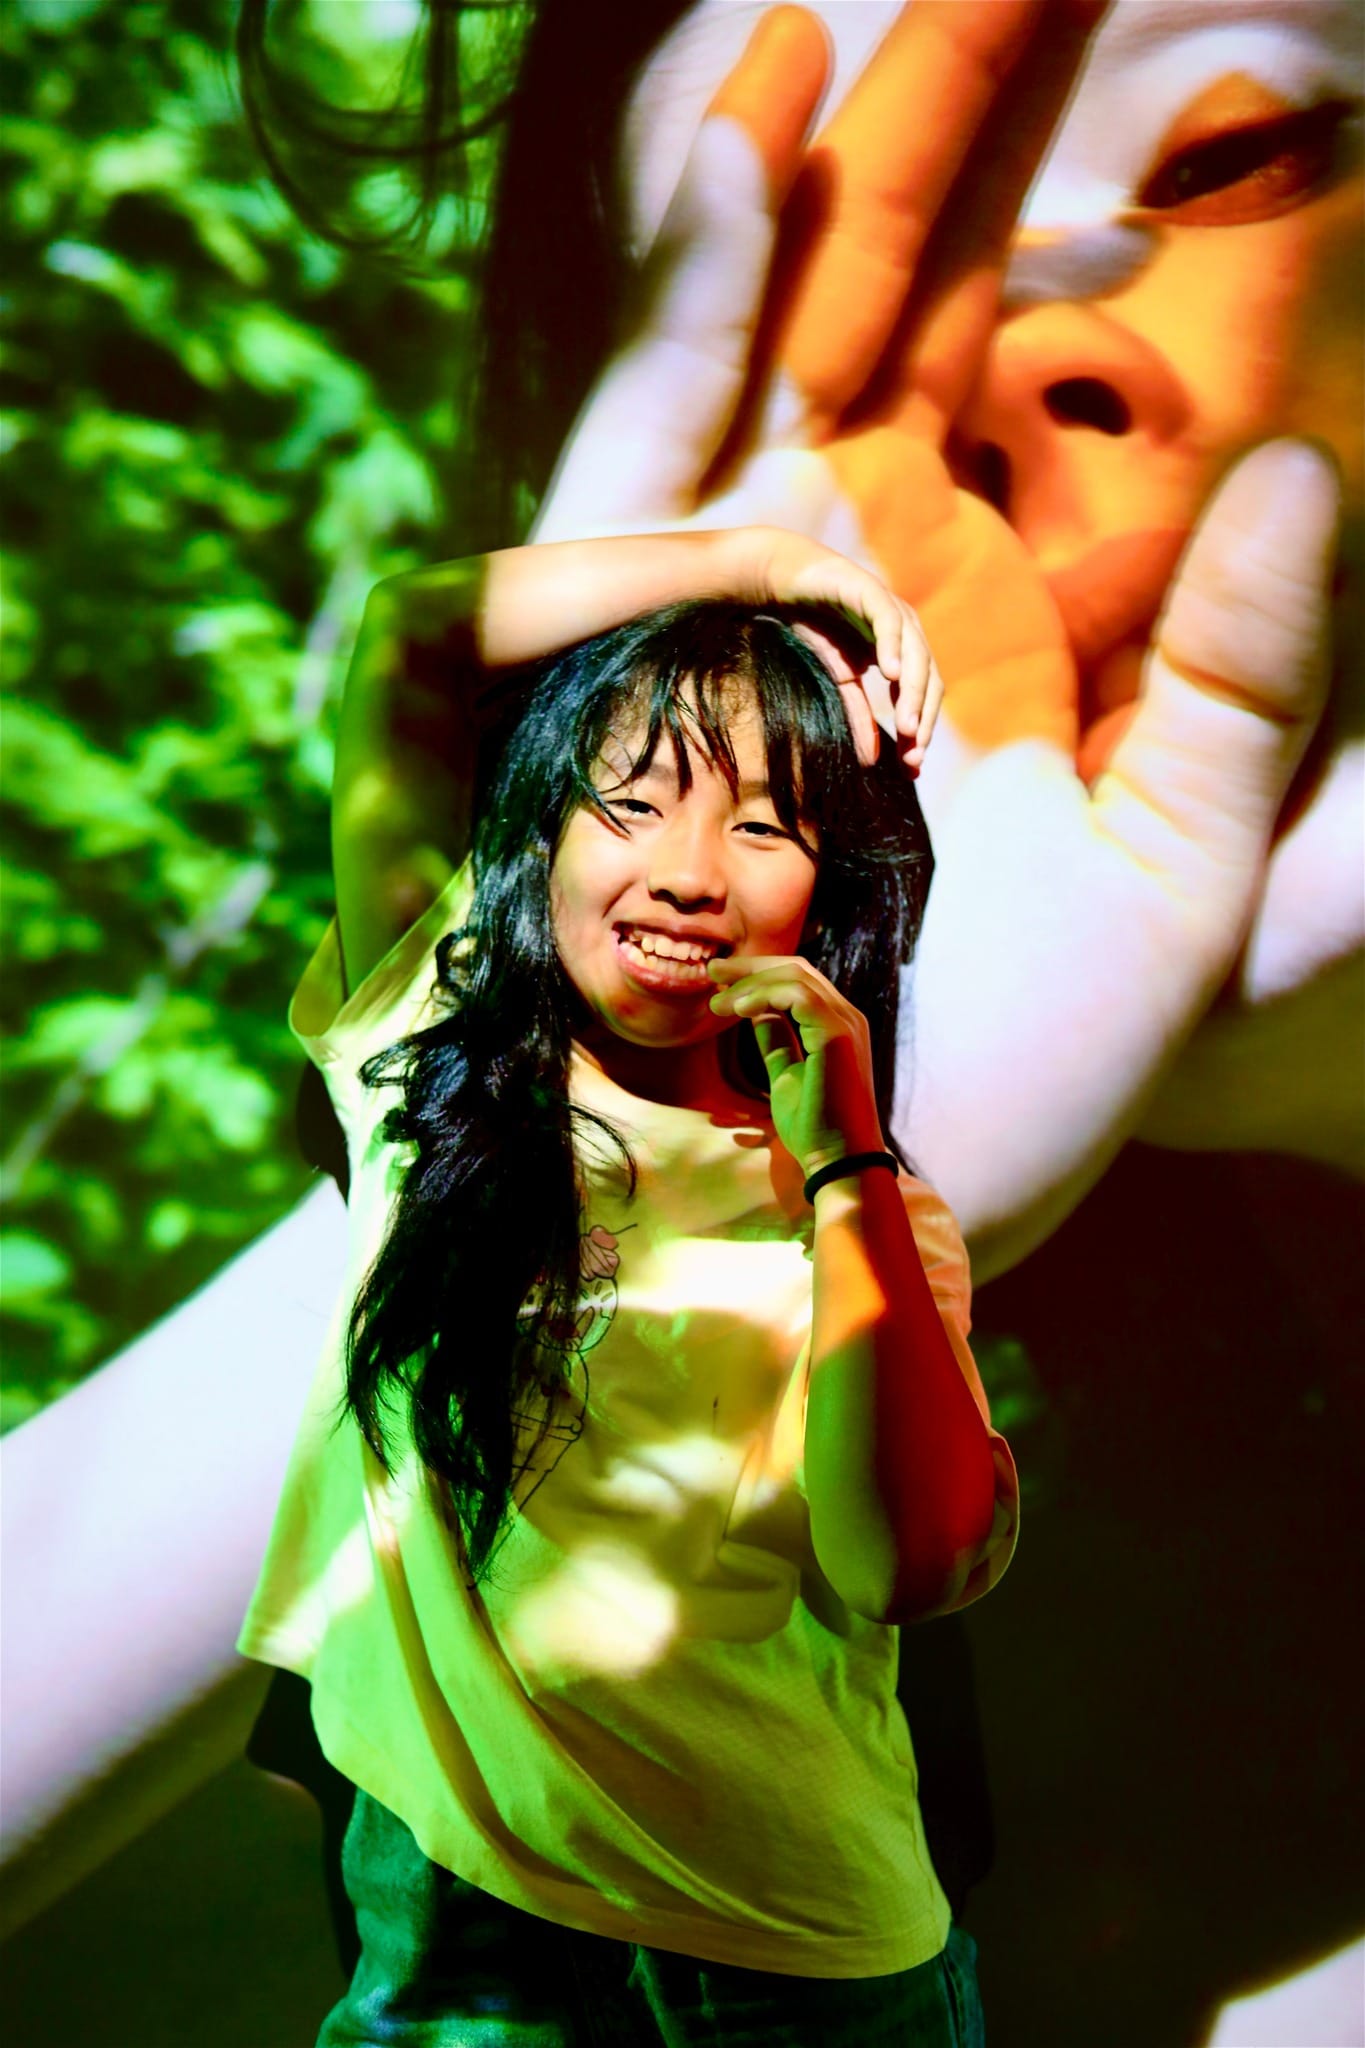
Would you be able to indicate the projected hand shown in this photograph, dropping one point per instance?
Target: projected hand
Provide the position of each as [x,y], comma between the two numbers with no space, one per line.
[1075,938]
[734,405]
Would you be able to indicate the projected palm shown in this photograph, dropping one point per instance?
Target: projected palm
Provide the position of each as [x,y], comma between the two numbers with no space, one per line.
[1075,938]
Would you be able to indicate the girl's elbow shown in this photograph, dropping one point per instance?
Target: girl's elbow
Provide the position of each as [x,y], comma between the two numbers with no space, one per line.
[904,1599]
[925,1578]
[894,1591]
[921,1594]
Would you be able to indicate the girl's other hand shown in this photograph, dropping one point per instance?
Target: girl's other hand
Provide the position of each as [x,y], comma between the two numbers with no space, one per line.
[817,1050]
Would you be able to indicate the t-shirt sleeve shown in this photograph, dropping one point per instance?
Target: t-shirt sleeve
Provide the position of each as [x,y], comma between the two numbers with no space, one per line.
[339,1032]
[948,1271]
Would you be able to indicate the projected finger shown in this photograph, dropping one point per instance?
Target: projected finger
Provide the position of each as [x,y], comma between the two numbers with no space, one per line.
[775,89]
[664,405]
[877,178]
[958,285]
[1236,680]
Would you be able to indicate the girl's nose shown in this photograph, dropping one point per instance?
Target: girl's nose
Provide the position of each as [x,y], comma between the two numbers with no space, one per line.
[685,866]
[1071,409]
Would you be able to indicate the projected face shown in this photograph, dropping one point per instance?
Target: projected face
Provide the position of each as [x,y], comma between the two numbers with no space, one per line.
[668,879]
[1185,283]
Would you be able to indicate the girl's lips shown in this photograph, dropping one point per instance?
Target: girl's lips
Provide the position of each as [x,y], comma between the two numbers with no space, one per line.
[661,973]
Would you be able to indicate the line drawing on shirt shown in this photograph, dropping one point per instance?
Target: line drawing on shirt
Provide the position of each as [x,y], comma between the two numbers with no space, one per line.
[566,1386]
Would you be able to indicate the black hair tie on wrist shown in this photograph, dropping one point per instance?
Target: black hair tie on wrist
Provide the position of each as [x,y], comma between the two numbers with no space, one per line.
[843,1169]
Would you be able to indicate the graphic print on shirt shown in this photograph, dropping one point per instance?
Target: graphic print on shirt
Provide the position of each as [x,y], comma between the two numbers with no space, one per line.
[563,1382]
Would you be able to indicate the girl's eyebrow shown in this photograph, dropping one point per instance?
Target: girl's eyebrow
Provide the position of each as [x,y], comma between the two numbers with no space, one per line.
[665,772]
[654,771]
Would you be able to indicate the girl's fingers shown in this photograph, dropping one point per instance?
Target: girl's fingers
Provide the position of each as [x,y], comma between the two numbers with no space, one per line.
[862,722]
[865,601]
[916,669]
[732,967]
[902,654]
[798,571]
[773,987]
[778,1045]
[933,704]
[886,616]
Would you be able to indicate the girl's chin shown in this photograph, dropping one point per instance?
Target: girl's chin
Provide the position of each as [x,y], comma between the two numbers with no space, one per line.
[662,1027]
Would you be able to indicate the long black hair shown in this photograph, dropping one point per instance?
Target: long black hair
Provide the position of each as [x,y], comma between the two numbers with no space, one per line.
[551,274]
[465,1319]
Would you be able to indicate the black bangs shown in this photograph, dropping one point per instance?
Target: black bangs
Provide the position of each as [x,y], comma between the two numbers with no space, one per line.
[701,668]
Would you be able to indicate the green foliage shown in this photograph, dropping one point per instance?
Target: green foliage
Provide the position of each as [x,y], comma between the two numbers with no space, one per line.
[219,433]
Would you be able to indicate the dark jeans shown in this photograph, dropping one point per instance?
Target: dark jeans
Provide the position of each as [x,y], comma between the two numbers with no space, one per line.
[444,1965]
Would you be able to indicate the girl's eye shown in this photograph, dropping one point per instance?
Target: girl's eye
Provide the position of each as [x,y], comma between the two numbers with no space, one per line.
[632,806]
[1238,154]
[758,828]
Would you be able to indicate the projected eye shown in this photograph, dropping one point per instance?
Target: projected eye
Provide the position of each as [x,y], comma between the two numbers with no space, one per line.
[1237,153]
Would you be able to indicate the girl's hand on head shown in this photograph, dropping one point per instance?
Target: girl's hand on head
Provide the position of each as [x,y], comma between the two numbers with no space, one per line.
[817,1051]
[896,683]
[906,709]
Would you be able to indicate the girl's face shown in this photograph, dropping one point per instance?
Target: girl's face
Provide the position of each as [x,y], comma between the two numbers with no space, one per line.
[670,878]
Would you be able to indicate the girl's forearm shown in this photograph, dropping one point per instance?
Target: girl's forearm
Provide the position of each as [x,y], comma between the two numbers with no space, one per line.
[536,600]
[899,1473]
[442,633]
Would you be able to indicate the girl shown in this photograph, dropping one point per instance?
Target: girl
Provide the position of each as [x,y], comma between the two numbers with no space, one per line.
[651,1410]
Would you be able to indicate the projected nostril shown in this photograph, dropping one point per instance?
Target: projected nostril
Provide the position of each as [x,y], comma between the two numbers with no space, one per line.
[1087,402]
[992,468]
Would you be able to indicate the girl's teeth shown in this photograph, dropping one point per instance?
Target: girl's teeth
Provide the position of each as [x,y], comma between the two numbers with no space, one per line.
[670,949]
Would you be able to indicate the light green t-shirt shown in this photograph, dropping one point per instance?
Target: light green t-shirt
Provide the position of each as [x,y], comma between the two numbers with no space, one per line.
[655,1720]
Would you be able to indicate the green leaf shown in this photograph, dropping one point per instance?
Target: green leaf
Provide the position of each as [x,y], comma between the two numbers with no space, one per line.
[58,17]
[29,1266]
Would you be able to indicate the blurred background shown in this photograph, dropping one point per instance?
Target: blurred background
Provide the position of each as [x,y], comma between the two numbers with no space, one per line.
[219,431]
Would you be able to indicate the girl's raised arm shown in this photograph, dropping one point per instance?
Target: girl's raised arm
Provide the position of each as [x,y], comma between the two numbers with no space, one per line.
[437,648]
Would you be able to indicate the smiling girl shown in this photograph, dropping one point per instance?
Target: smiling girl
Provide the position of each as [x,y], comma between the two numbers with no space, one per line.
[651,1411]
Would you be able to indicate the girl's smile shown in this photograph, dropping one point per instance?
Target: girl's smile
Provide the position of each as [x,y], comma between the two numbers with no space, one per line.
[676,870]
[663,958]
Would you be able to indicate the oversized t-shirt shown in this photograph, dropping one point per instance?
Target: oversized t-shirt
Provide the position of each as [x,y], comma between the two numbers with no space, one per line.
[654,1719]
